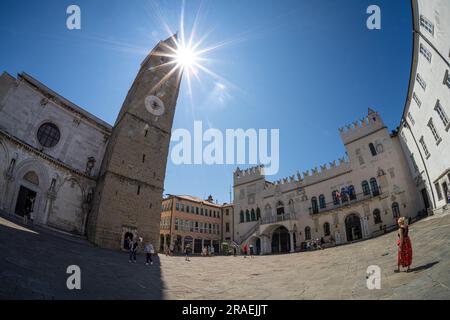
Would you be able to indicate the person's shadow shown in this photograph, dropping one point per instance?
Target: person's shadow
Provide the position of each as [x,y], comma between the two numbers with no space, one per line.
[424,267]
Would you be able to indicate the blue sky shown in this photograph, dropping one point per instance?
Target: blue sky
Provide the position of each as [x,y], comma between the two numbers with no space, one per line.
[304,67]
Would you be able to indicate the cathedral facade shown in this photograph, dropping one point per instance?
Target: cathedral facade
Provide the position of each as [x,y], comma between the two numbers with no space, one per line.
[71,171]
[357,197]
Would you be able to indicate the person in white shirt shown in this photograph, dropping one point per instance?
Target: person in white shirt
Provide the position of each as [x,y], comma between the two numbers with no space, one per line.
[149,250]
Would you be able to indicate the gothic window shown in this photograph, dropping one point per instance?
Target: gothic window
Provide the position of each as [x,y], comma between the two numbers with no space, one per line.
[247,215]
[241,216]
[351,192]
[177,206]
[314,206]
[374,187]
[280,208]
[48,135]
[291,206]
[307,233]
[227,227]
[336,200]
[253,215]
[373,151]
[258,213]
[377,216]
[187,209]
[395,210]
[322,202]
[326,229]
[344,196]
[268,210]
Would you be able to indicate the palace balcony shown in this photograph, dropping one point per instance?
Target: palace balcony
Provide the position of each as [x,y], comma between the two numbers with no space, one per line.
[278,218]
[351,200]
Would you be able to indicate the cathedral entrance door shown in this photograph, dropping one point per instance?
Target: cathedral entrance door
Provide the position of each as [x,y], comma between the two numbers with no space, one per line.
[25,201]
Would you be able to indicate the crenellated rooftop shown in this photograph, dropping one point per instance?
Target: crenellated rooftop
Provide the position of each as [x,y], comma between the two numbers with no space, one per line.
[360,128]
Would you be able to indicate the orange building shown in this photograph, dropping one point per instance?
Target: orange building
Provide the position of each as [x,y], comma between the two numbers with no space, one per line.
[191,220]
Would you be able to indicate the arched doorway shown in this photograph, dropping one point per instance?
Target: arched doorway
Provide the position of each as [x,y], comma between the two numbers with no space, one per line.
[128,236]
[258,246]
[280,240]
[353,227]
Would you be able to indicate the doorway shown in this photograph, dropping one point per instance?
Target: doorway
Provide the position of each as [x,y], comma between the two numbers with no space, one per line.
[25,201]
[425,198]
[353,227]
[280,240]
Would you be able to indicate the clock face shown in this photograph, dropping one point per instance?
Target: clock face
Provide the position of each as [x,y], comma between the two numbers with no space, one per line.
[154,105]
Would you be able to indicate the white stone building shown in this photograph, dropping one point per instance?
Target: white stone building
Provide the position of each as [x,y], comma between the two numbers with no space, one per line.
[50,152]
[425,125]
[355,198]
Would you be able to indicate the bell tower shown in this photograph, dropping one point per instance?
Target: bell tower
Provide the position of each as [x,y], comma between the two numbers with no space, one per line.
[128,195]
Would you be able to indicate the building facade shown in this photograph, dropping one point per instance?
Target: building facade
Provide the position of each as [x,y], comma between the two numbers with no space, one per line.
[425,124]
[50,152]
[190,220]
[75,172]
[357,197]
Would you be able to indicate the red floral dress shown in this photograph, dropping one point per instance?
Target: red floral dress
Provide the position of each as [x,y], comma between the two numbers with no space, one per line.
[405,251]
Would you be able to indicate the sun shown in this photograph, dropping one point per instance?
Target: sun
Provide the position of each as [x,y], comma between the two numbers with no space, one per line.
[186,58]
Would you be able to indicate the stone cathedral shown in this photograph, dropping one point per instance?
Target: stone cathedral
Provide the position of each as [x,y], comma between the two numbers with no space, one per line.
[76,172]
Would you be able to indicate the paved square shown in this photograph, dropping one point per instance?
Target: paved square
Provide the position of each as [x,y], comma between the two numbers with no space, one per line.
[33,265]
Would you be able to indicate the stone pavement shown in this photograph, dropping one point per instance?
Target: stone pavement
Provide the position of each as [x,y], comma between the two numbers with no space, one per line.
[33,265]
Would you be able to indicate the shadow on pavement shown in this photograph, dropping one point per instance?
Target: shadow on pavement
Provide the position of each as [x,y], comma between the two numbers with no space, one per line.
[424,267]
[34,266]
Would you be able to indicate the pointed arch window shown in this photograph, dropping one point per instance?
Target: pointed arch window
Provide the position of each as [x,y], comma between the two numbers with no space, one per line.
[291,206]
[395,210]
[258,214]
[351,192]
[253,215]
[322,202]
[280,208]
[307,233]
[242,217]
[366,188]
[373,151]
[344,196]
[377,216]
[326,229]
[315,208]
[247,215]
[336,200]
[374,187]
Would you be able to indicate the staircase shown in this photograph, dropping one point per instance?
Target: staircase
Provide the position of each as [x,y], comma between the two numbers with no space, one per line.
[250,232]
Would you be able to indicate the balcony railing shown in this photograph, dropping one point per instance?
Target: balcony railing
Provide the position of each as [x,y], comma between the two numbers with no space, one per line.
[350,201]
[278,218]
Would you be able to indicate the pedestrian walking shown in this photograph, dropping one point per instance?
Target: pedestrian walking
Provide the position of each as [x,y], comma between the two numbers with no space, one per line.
[133,250]
[187,252]
[245,250]
[212,250]
[251,251]
[149,251]
[171,248]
